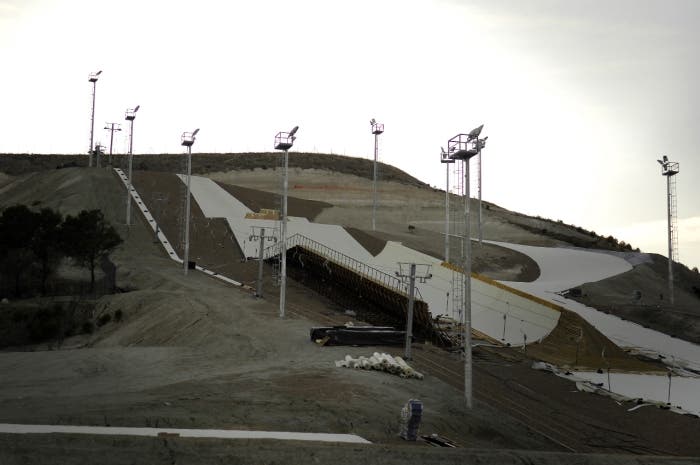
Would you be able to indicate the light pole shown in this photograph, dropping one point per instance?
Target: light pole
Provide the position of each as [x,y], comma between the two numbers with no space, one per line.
[284,141]
[444,158]
[407,272]
[259,233]
[111,127]
[130,117]
[92,78]
[377,128]
[187,140]
[670,169]
[463,147]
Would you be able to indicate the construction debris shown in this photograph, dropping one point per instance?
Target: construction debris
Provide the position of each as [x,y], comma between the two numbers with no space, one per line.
[380,362]
[349,335]
[436,440]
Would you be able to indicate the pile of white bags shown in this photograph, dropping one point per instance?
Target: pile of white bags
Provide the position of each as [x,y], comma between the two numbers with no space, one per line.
[381,362]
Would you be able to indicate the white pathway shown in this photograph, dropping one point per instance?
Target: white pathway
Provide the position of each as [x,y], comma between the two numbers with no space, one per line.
[495,311]
[187,433]
[562,269]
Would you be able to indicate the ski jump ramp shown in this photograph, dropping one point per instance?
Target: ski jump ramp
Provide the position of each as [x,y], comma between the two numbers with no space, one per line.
[500,312]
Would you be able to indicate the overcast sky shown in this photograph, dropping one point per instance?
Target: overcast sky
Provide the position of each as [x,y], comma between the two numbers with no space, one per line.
[579,98]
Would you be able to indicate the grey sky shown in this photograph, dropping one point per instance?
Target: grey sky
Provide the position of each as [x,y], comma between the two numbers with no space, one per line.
[578,97]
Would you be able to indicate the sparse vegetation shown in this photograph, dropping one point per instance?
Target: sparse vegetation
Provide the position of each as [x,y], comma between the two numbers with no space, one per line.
[34,243]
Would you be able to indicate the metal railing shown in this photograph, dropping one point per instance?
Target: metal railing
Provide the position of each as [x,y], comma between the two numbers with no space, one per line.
[345,261]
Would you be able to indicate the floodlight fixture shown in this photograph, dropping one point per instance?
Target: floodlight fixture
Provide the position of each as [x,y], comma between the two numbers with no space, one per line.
[474,133]
[284,141]
[377,128]
[187,139]
[130,114]
[463,147]
[94,76]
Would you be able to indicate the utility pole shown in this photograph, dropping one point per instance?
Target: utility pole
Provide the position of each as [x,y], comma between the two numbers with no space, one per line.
[259,233]
[407,273]
[111,127]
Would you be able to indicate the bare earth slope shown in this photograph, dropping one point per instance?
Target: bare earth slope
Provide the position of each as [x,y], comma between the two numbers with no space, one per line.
[194,352]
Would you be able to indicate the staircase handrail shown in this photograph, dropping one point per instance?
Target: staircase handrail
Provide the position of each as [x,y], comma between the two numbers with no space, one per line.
[341,259]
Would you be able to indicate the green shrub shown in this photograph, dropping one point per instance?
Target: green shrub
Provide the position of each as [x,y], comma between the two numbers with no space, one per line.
[118,315]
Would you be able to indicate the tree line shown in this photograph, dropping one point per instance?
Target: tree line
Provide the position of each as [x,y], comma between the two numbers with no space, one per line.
[34,243]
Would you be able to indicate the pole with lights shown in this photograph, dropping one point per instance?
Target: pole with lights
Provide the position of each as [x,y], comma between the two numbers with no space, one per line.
[92,78]
[187,140]
[130,117]
[463,147]
[377,128]
[670,169]
[111,127]
[284,141]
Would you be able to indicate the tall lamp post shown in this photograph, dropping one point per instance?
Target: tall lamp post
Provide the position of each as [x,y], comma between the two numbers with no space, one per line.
[92,78]
[670,169]
[187,140]
[284,141]
[463,147]
[377,128]
[445,158]
[111,127]
[130,117]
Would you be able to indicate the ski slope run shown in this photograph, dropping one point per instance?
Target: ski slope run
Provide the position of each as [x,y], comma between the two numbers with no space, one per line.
[509,316]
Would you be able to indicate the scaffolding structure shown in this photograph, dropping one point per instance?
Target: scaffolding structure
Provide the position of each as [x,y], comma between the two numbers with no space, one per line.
[670,169]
